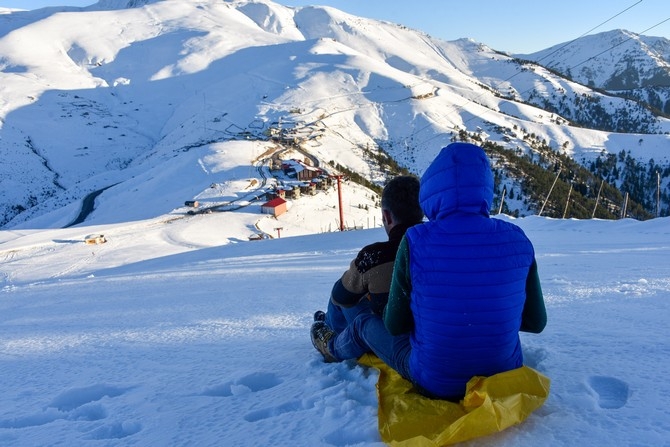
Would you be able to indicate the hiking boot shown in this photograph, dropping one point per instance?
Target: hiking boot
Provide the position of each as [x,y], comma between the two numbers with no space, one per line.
[321,334]
[319,315]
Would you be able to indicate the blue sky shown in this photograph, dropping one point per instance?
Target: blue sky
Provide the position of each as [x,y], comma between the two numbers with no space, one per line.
[516,26]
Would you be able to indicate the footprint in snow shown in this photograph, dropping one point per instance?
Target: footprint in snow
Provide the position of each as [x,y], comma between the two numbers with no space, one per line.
[115,430]
[76,397]
[251,383]
[533,357]
[79,404]
[291,406]
[612,393]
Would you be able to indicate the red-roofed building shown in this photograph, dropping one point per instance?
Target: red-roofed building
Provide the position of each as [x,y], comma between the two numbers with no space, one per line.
[300,169]
[276,207]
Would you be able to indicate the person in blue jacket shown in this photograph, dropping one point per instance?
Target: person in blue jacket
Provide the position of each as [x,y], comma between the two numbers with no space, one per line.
[463,286]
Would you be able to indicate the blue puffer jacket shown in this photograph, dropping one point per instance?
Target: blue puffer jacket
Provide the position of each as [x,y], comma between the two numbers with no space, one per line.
[468,275]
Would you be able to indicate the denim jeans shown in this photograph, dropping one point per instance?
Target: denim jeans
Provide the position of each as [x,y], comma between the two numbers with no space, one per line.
[366,333]
[338,318]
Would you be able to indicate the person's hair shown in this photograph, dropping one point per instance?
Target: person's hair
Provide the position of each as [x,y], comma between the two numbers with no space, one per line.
[401,198]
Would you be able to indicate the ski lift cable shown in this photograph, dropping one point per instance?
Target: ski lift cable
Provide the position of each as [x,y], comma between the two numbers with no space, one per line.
[567,44]
[620,43]
[591,30]
[459,107]
[586,60]
[592,57]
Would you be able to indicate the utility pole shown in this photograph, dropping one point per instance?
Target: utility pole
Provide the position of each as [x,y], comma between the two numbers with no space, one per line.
[658,194]
[278,229]
[550,190]
[567,202]
[339,198]
[502,199]
[625,206]
[597,198]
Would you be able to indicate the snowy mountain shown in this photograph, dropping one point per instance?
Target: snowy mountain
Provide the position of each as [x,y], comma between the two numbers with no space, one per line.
[127,98]
[616,61]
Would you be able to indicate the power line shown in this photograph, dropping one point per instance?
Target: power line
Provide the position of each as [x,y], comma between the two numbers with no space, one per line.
[587,32]
[592,57]
[620,43]
[497,86]
[602,52]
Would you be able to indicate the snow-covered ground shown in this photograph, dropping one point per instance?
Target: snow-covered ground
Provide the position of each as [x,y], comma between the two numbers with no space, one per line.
[178,331]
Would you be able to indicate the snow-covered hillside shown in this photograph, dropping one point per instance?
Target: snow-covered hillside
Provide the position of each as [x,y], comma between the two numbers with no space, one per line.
[627,64]
[124,94]
[613,60]
[181,333]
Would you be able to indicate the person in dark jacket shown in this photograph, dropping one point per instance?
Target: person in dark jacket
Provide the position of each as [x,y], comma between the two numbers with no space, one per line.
[364,287]
[463,286]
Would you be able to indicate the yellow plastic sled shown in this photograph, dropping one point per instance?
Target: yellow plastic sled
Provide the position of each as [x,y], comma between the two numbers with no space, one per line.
[491,404]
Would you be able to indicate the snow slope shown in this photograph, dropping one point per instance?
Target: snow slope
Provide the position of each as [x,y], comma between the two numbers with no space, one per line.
[177,331]
[114,93]
[617,60]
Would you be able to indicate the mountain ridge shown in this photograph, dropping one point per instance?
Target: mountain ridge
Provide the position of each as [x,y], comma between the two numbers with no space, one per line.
[608,55]
[216,72]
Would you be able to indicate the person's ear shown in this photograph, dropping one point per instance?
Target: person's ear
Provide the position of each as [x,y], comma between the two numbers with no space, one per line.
[387,217]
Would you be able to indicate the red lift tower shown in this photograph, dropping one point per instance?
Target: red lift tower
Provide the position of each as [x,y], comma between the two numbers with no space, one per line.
[339,198]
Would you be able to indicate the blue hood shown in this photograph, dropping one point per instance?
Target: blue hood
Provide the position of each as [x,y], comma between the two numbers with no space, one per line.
[459,179]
